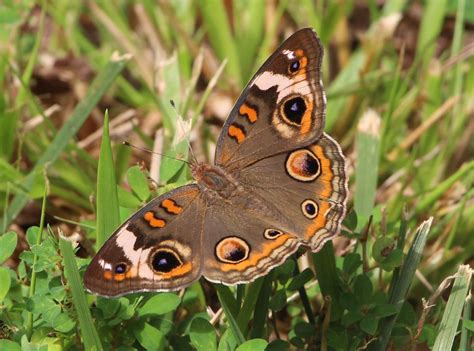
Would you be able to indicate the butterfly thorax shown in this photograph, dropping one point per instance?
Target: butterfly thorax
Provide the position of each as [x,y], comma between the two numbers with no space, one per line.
[215,179]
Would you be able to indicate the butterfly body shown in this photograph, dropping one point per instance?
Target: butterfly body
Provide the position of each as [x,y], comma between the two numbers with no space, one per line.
[278,182]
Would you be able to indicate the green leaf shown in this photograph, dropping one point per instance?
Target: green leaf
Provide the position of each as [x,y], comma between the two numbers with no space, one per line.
[304,329]
[352,261]
[5,283]
[253,345]
[138,182]
[203,335]
[300,279]
[393,260]
[278,301]
[63,323]
[8,345]
[159,304]
[369,324]
[278,345]
[149,337]
[363,289]
[469,324]
[384,310]
[382,248]
[8,243]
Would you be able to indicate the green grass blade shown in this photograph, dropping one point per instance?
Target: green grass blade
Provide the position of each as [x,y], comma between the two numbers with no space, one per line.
[230,310]
[464,344]
[108,217]
[90,337]
[431,25]
[326,272]
[402,284]
[261,310]
[429,199]
[31,292]
[250,301]
[367,164]
[219,32]
[97,89]
[452,314]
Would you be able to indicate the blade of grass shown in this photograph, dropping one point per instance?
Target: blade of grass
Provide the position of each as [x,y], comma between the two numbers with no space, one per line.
[326,272]
[219,32]
[89,334]
[261,310]
[249,305]
[402,284]
[430,27]
[31,292]
[429,199]
[367,164]
[108,217]
[452,314]
[229,305]
[97,89]
[464,343]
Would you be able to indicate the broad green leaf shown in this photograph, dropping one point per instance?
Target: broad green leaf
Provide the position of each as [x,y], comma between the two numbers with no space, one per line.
[253,345]
[300,279]
[159,304]
[363,289]
[278,301]
[149,337]
[138,182]
[7,345]
[203,335]
[7,245]
[369,324]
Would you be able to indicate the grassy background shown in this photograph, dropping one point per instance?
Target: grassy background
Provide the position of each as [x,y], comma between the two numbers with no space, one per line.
[399,78]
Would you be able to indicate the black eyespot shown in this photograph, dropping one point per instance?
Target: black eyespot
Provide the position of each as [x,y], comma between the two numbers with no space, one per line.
[294,109]
[121,268]
[272,233]
[165,261]
[294,66]
[232,250]
[310,208]
[235,255]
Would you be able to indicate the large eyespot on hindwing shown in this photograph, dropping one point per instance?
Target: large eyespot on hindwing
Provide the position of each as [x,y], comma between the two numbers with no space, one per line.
[232,250]
[303,165]
[309,208]
[164,260]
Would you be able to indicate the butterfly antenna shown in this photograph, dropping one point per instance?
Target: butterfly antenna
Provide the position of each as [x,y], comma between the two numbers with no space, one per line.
[124,142]
[183,128]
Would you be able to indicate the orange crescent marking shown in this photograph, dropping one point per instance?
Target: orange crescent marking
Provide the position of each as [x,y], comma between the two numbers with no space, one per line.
[153,221]
[178,271]
[237,133]
[257,256]
[171,207]
[306,120]
[320,220]
[250,112]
